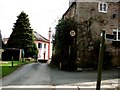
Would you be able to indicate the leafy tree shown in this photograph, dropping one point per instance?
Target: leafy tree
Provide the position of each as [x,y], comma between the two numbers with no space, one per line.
[22,36]
[62,36]
[62,42]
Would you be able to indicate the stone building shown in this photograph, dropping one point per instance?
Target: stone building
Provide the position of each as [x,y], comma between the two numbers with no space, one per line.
[92,17]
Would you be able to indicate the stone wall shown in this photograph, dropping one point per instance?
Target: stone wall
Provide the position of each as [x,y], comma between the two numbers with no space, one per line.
[70,13]
[105,21]
[90,24]
[87,34]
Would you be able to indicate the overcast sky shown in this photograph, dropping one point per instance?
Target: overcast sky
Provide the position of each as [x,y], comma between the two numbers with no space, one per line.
[42,14]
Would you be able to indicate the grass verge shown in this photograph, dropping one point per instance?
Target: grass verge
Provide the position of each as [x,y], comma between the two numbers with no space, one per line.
[7,68]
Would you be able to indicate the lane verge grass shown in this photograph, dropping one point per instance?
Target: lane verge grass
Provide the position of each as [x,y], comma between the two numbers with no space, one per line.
[6,67]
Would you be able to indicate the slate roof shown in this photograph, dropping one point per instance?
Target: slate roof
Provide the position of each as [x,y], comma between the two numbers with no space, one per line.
[39,37]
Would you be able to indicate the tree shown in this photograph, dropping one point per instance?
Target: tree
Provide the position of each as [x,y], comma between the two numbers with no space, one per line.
[22,36]
[62,42]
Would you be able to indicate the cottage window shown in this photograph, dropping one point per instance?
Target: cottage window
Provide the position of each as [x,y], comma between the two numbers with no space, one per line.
[44,46]
[103,6]
[116,32]
[39,45]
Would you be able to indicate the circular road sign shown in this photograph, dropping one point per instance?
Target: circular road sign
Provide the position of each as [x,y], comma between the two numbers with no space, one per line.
[72,33]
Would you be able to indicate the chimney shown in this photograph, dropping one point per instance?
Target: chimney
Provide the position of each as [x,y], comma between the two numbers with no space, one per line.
[49,38]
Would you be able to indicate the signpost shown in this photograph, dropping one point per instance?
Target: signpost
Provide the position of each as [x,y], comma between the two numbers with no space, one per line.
[12,61]
[100,64]
[101,55]
[71,50]
[72,33]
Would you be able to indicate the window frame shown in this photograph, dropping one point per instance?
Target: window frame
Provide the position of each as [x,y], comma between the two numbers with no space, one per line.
[117,35]
[102,8]
[40,45]
[45,46]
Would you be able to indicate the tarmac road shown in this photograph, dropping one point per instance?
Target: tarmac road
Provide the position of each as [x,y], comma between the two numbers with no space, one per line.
[36,75]
[31,74]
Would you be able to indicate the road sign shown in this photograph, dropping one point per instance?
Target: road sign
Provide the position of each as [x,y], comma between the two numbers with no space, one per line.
[72,33]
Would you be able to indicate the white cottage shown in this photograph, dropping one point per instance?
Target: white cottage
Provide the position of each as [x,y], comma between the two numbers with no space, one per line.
[43,46]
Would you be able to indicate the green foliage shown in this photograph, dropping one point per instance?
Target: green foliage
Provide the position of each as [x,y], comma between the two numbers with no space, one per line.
[22,36]
[62,35]
[56,58]
[62,42]
[7,68]
[30,52]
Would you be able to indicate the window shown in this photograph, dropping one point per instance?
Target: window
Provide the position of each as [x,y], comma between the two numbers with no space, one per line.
[116,32]
[39,45]
[103,6]
[114,16]
[44,46]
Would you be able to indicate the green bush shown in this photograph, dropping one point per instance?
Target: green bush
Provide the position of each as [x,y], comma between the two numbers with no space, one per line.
[32,51]
[56,58]
[61,60]
[62,42]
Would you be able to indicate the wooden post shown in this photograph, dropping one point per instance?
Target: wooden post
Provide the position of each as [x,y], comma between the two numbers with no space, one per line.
[23,53]
[12,61]
[49,37]
[100,64]
[20,54]
[44,55]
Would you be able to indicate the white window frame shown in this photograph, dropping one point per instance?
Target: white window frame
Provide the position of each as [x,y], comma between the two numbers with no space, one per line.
[40,45]
[44,45]
[102,8]
[117,35]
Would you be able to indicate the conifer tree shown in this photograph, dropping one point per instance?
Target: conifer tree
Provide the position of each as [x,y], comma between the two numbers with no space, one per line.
[22,36]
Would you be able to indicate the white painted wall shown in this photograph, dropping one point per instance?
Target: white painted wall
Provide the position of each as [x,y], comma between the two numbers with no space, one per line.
[42,50]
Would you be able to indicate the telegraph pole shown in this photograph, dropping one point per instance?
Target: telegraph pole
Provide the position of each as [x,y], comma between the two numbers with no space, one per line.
[101,56]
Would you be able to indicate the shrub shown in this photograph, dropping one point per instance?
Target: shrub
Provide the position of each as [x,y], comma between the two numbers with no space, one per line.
[62,42]
[56,58]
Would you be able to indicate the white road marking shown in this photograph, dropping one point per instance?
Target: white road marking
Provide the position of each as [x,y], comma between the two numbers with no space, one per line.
[50,86]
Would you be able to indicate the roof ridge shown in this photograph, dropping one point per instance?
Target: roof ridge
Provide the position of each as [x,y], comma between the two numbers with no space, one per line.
[40,37]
